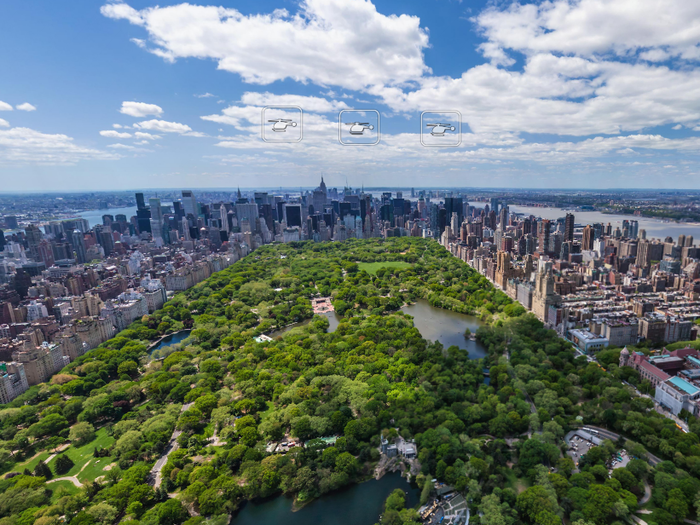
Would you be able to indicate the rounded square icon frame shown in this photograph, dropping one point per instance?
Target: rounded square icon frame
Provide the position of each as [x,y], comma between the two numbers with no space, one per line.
[459,131]
[379,128]
[301,125]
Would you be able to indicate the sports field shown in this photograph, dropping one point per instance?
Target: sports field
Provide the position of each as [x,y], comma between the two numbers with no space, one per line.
[371,268]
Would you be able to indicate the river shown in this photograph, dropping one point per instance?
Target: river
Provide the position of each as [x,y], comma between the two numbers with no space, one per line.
[446,326]
[95,216]
[357,504]
[654,227]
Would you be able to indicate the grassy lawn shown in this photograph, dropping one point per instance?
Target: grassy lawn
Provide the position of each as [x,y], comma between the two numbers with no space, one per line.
[81,455]
[31,463]
[67,489]
[371,268]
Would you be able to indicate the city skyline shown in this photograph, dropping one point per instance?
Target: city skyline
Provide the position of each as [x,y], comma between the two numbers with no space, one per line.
[545,102]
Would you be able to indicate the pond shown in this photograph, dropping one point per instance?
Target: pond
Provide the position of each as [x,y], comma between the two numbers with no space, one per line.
[357,504]
[333,319]
[446,326]
[172,339]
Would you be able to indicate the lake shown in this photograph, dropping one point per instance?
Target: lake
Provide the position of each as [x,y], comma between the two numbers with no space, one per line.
[655,228]
[333,320]
[358,504]
[446,326]
[172,339]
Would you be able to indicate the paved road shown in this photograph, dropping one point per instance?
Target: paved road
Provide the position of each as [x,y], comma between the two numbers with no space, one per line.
[647,494]
[155,475]
[607,434]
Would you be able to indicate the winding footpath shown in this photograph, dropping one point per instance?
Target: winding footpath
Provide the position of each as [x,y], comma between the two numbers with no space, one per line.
[156,475]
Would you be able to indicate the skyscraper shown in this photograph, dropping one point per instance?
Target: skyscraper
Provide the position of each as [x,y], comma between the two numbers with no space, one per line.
[78,242]
[140,203]
[569,227]
[588,238]
[189,203]
[156,221]
[543,229]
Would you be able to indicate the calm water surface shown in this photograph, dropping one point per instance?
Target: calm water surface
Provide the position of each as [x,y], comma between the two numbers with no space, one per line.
[173,339]
[354,505]
[446,326]
[95,216]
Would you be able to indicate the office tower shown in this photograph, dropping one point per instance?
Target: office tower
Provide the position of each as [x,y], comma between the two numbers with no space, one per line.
[179,210]
[78,241]
[569,227]
[608,230]
[156,221]
[11,222]
[224,218]
[588,238]
[2,240]
[494,204]
[503,218]
[454,205]
[140,203]
[189,203]
[247,211]
[33,236]
[293,214]
[543,229]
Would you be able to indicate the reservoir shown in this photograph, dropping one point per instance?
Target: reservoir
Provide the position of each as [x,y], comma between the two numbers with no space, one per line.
[446,326]
[357,504]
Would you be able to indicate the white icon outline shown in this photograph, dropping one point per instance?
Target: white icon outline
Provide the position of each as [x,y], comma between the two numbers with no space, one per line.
[284,124]
[439,128]
[357,129]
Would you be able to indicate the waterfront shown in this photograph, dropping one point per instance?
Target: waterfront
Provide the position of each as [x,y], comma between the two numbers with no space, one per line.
[95,216]
[357,504]
[655,228]
[446,326]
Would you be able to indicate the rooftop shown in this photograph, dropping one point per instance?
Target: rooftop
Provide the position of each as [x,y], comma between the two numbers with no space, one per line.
[683,385]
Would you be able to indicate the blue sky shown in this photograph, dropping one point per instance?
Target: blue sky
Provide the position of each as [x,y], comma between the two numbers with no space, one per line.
[563,94]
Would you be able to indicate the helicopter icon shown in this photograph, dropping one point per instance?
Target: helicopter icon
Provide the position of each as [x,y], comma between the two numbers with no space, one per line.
[281,124]
[358,128]
[440,129]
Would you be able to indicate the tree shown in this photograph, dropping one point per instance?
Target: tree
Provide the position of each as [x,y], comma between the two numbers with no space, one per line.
[129,368]
[43,470]
[346,462]
[63,464]
[81,433]
[102,512]
[533,501]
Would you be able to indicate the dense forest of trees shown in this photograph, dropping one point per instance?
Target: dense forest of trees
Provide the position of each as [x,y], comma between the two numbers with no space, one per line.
[228,396]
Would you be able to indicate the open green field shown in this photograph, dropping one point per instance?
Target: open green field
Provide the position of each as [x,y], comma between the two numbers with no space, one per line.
[371,268]
[81,455]
[67,488]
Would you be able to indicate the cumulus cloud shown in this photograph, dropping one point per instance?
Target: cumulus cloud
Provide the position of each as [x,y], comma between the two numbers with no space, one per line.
[4,123]
[205,95]
[147,136]
[163,126]
[329,42]
[307,103]
[110,133]
[26,107]
[140,109]
[4,106]
[27,146]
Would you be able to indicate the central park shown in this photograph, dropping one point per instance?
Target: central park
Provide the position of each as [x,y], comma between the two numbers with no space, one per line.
[235,403]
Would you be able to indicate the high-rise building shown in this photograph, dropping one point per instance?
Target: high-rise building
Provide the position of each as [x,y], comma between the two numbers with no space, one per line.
[78,241]
[189,203]
[569,227]
[454,205]
[156,221]
[140,202]
[588,238]
[293,214]
[543,230]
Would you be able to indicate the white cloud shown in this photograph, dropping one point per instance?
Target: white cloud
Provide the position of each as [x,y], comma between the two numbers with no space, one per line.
[140,109]
[4,106]
[329,42]
[4,123]
[110,133]
[117,126]
[307,103]
[163,126]
[121,146]
[590,27]
[27,146]
[205,95]
[26,107]
[147,136]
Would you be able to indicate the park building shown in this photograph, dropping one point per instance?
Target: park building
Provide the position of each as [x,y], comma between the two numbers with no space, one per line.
[677,394]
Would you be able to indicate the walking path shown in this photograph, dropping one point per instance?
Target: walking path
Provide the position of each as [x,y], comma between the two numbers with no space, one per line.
[72,479]
[172,446]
